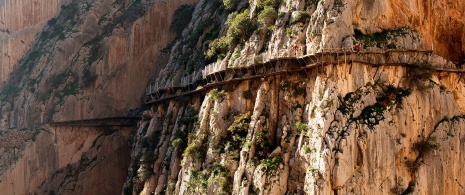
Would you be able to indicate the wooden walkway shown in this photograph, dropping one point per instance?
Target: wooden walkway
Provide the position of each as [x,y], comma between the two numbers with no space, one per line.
[218,74]
[112,121]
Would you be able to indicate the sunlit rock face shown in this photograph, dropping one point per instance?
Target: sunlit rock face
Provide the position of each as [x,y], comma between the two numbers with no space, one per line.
[345,128]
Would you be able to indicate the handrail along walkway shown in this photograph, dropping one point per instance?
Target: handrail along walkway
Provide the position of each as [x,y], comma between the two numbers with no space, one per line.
[217,74]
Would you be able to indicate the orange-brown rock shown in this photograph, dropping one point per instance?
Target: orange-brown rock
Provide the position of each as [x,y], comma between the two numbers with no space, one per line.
[20,21]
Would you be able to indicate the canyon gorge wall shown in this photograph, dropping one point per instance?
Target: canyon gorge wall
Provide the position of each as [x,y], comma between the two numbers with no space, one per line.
[347,128]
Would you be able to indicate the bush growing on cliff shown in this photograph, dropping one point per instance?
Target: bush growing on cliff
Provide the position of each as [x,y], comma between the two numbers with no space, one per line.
[300,16]
[217,95]
[271,163]
[378,39]
[268,3]
[181,19]
[218,48]
[230,5]
[301,127]
[267,16]
[194,152]
[419,74]
[238,130]
[240,29]
[422,147]
[145,166]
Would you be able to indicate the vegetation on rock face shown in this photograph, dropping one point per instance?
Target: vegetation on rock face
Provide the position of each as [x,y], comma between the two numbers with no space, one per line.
[268,3]
[182,18]
[267,16]
[419,74]
[217,95]
[230,4]
[301,127]
[381,39]
[373,114]
[239,30]
[272,163]
[214,174]
[247,94]
[236,135]
[300,16]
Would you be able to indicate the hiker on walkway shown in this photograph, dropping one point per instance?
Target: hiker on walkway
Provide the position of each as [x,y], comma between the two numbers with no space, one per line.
[357,47]
[295,48]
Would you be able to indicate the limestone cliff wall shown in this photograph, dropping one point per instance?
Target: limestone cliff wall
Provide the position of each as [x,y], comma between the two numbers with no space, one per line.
[70,160]
[345,129]
[72,60]
[88,62]
[19,24]
[320,132]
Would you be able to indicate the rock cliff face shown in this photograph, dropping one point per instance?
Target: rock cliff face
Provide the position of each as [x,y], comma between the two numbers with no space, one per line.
[19,24]
[344,128]
[349,128]
[71,160]
[72,60]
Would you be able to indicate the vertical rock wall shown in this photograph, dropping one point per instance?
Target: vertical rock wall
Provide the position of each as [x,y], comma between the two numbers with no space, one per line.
[327,132]
[71,160]
[20,21]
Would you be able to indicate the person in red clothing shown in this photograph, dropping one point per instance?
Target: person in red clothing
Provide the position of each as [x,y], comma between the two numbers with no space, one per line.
[295,48]
[357,47]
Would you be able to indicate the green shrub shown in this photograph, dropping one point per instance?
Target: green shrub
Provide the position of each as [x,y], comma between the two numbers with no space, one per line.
[267,16]
[301,127]
[300,16]
[240,124]
[272,163]
[181,19]
[145,169]
[271,3]
[380,39]
[419,74]
[240,29]
[194,152]
[217,95]
[230,5]
[237,133]
[217,48]
[179,142]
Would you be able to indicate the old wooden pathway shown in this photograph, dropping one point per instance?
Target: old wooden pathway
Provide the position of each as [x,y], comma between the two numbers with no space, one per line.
[102,122]
[218,74]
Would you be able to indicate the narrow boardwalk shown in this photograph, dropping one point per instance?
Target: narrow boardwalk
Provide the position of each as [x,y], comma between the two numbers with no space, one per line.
[217,74]
[112,121]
